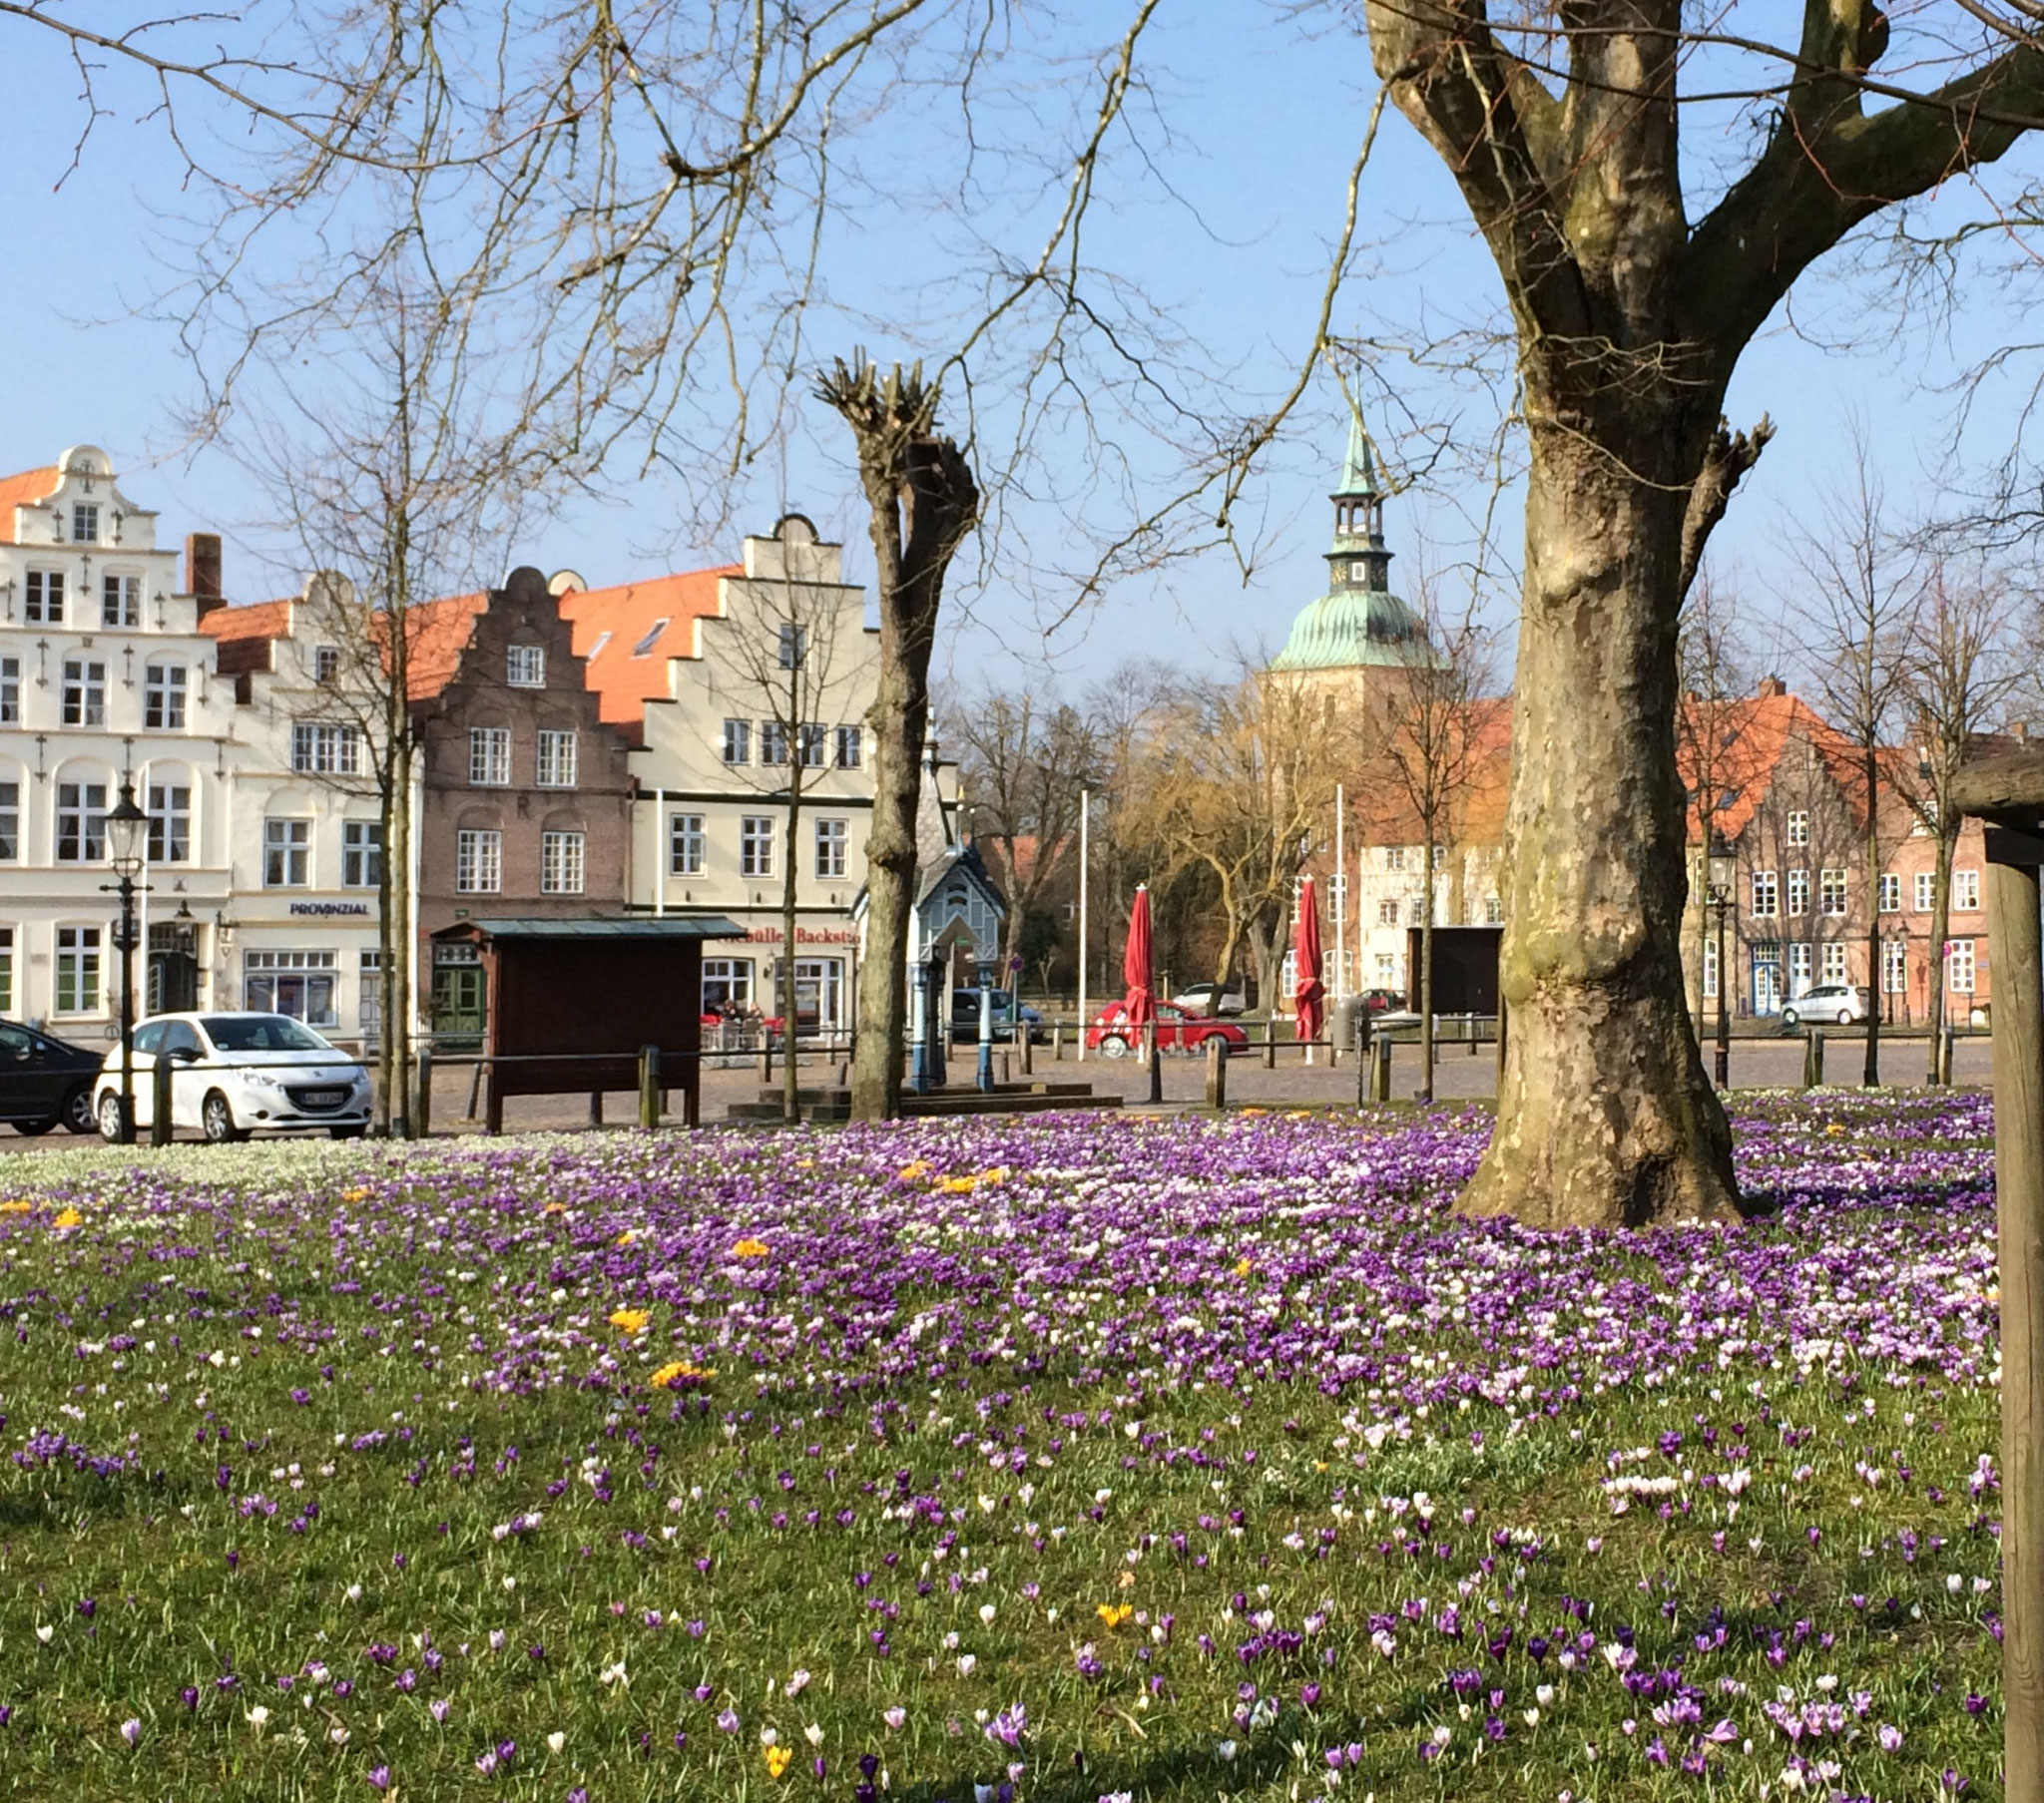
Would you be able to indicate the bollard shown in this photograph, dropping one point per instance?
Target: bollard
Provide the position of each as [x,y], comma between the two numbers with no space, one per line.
[596,1107]
[1380,1068]
[1057,1043]
[1271,1044]
[649,1086]
[765,1056]
[1028,1036]
[475,1090]
[160,1123]
[1948,1045]
[1217,1072]
[1813,1060]
[422,1104]
[1005,1075]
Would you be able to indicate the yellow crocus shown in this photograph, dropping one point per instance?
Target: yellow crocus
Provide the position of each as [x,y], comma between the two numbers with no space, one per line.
[1113,1613]
[749,1248]
[777,1759]
[69,1219]
[632,1320]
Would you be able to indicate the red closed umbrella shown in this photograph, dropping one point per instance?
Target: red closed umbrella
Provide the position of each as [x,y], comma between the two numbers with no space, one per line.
[1139,1004]
[1309,994]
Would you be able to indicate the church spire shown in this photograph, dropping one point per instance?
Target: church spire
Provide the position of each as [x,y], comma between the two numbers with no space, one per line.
[1358,557]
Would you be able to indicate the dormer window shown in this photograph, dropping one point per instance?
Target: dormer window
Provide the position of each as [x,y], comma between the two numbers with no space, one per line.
[644,649]
[525,666]
[85,522]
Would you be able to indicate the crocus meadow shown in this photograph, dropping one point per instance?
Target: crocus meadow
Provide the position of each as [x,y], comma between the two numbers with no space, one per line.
[998,1462]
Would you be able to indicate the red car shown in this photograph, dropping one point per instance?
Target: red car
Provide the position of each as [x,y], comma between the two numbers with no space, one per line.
[1177,1030]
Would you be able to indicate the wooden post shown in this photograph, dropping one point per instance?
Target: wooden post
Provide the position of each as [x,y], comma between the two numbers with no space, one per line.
[423,1102]
[1150,1053]
[1025,1033]
[691,1091]
[1270,1043]
[596,1107]
[475,1089]
[160,1123]
[1217,1072]
[649,1086]
[1057,1042]
[1380,1068]
[2019,1190]
[1813,1058]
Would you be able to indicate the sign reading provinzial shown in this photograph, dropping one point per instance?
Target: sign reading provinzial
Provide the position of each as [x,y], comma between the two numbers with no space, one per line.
[327,910]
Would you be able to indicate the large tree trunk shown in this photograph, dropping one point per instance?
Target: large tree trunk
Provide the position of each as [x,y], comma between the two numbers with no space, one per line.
[1605,1116]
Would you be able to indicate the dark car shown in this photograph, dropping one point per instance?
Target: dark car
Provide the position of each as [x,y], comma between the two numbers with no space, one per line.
[965,1017]
[44,1080]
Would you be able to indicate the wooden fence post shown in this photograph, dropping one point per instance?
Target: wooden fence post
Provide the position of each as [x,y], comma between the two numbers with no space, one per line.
[1217,1072]
[423,1103]
[1270,1043]
[1026,1033]
[1813,1060]
[2019,1191]
[1380,1068]
[649,1086]
[160,1123]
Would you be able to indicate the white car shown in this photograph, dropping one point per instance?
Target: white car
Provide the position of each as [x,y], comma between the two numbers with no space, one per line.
[232,1073]
[1844,1003]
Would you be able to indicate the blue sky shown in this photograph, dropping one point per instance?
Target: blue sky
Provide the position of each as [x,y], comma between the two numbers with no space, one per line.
[1263,117]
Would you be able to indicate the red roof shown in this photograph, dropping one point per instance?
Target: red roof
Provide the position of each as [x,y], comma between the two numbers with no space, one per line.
[625,636]
[25,490]
[437,632]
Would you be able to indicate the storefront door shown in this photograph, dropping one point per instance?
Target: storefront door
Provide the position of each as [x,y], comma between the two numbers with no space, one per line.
[460,1005]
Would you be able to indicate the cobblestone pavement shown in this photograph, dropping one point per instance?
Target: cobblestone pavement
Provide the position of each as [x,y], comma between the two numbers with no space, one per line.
[1459,1076]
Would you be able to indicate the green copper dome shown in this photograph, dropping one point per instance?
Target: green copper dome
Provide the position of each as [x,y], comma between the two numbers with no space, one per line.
[1359,622]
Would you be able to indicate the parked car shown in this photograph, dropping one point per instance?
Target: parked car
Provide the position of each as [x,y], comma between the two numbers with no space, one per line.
[1212,999]
[1844,1003]
[1384,1001]
[44,1080]
[1112,1036]
[234,1074]
[965,1017]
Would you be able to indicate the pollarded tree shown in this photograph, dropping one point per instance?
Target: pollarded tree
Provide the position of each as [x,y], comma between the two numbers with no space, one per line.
[1563,131]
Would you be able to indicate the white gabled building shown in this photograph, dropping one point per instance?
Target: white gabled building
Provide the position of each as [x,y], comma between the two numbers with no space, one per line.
[725,678]
[104,679]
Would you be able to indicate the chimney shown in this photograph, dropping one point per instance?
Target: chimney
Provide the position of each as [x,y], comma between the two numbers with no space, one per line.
[202,571]
[1770,686]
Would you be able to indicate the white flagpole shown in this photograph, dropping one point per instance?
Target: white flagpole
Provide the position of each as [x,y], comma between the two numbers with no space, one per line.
[661,852]
[1085,812]
[1341,900]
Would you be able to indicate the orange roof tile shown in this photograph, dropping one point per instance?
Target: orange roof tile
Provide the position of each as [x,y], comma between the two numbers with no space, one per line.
[437,632]
[252,619]
[614,632]
[24,490]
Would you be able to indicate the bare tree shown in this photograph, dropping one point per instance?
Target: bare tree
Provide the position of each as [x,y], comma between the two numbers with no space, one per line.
[1713,751]
[1433,751]
[1959,676]
[923,501]
[1858,610]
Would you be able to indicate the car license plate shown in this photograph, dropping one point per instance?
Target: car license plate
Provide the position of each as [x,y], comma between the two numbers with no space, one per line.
[322,1098]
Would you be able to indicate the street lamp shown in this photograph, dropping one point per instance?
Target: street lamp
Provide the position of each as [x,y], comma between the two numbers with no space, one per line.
[127,829]
[1724,868]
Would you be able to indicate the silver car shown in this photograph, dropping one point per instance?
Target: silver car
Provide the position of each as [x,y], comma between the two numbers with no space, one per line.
[1844,1003]
[234,1074]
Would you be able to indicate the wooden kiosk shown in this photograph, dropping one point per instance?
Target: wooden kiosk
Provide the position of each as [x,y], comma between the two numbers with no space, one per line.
[2008,795]
[574,1003]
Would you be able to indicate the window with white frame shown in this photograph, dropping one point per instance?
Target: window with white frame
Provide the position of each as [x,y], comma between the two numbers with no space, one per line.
[81,822]
[1387,911]
[756,845]
[162,698]
[1966,891]
[795,645]
[832,840]
[773,743]
[1923,888]
[301,985]
[727,980]
[362,854]
[286,854]
[10,691]
[85,522]
[1895,965]
[1387,970]
[10,827]
[43,598]
[325,663]
[811,742]
[78,970]
[525,666]
[323,748]
[478,861]
[1960,966]
[685,846]
[1890,893]
[1394,857]
[1830,894]
[369,995]
[557,760]
[851,747]
[560,863]
[489,756]
[85,692]
[1834,960]
[1798,967]
[1767,895]
[170,822]
[738,742]
[120,600]
[1798,893]
[1494,911]
[6,969]
[1798,826]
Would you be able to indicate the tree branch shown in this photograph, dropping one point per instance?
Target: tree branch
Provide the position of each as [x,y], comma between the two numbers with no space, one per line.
[1726,460]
